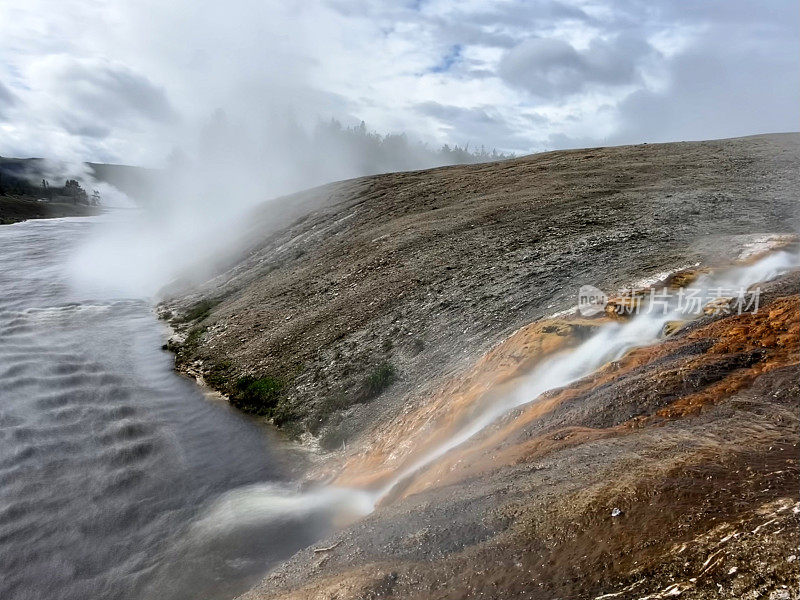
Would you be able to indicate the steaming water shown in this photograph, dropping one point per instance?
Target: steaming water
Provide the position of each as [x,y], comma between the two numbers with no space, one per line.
[610,343]
[118,478]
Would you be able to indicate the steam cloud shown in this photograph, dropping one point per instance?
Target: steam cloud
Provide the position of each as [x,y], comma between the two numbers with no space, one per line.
[193,212]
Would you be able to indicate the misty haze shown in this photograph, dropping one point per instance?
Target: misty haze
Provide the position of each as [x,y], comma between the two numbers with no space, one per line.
[421,299]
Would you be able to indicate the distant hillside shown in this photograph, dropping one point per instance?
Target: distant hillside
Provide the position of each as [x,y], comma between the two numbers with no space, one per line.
[14,210]
[29,191]
[22,176]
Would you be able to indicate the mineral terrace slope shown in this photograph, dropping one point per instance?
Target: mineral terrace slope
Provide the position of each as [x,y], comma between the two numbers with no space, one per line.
[571,497]
[421,273]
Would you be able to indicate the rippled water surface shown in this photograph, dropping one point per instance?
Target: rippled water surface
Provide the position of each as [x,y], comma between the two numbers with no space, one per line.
[107,457]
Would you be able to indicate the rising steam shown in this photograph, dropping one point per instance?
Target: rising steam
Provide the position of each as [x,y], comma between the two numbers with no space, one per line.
[196,212]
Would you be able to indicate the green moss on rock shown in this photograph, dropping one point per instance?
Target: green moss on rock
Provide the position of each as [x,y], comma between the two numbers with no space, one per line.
[258,395]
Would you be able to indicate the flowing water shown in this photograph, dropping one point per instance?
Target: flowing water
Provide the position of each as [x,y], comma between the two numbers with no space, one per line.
[118,478]
[610,343]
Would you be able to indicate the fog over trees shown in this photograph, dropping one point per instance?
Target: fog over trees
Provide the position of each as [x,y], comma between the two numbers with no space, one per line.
[281,156]
[18,180]
[369,152]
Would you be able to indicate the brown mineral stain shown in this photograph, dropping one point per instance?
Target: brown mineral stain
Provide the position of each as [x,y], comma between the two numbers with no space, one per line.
[775,331]
[436,419]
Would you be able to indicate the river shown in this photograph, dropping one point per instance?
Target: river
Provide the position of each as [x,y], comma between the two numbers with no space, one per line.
[108,458]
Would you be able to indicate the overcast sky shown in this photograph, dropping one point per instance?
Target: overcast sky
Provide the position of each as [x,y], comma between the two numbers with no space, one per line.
[125,81]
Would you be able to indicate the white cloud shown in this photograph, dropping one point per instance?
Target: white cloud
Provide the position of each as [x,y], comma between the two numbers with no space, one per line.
[552,68]
[124,81]
[7,99]
[89,96]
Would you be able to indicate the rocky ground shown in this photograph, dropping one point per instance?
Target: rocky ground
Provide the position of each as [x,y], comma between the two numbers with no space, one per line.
[374,310]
